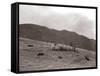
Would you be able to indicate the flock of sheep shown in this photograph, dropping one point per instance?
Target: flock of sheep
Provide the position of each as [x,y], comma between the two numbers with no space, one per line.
[63,47]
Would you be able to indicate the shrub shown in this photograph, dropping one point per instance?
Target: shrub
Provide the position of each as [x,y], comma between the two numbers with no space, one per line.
[40,54]
[30,45]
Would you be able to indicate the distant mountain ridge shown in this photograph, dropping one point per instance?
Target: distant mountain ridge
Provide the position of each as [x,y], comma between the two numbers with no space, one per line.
[42,33]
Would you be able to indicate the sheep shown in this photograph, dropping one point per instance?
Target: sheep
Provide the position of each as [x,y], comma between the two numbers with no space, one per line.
[58,47]
[62,47]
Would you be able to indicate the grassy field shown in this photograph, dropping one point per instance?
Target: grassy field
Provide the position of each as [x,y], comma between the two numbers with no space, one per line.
[38,55]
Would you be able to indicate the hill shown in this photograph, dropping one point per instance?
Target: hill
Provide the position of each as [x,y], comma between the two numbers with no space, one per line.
[40,56]
[41,33]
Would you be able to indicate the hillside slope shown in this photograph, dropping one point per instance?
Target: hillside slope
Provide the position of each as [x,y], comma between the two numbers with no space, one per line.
[30,59]
[37,32]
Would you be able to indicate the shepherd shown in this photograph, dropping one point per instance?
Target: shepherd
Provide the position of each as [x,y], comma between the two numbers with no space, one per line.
[73,47]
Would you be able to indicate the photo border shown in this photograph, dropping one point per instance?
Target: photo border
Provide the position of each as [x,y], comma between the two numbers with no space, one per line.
[16,69]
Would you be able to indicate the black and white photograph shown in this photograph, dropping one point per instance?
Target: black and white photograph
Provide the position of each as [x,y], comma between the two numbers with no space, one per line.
[54,37]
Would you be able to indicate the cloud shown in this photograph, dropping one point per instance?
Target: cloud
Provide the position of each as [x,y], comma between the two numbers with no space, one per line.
[77,20]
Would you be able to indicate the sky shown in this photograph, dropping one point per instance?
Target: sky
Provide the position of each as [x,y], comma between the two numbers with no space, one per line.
[79,20]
